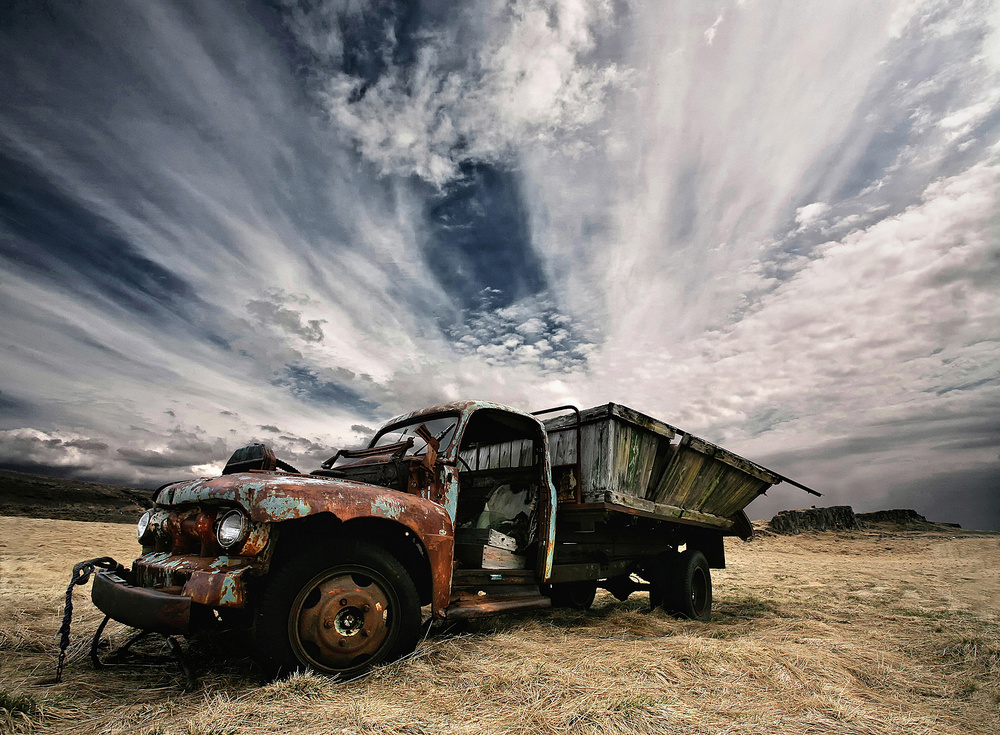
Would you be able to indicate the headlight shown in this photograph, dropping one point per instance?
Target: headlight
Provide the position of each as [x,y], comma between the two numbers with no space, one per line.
[143,525]
[231,529]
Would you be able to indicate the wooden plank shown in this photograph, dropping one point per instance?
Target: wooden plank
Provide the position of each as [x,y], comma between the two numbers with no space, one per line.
[527,458]
[734,460]
[669,512]
[562,447]
[610,410]
[494,558]
[661,460]
[642,420]
[505,453]
[485,536]
[469,457]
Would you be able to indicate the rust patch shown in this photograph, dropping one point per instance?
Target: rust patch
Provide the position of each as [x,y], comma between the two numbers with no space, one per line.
[214,581]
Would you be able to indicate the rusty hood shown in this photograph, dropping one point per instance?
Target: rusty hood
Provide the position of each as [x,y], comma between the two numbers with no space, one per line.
[272,497]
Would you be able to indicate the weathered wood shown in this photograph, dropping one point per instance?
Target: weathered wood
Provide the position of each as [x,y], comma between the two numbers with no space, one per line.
[608,410]
[672,512]
[734,460]
[494,558]
[487,536]
[627,459]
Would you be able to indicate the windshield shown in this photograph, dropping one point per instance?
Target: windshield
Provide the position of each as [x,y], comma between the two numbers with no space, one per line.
[442,428]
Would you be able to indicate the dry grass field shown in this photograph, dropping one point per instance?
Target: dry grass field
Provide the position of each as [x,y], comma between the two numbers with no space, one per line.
[880,631]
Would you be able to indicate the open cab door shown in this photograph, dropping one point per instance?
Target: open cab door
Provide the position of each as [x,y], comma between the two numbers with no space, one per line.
[505,520]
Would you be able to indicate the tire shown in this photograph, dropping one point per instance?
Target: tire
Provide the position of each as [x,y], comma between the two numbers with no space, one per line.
[692,595]
[576,595]
[339,611]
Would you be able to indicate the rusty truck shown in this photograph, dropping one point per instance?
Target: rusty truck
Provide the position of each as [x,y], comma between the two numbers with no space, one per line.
[461,510]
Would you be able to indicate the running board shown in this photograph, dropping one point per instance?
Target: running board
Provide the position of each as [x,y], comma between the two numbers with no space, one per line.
[494,605]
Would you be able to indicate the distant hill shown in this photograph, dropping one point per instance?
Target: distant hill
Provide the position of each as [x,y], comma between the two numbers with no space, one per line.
[36,496]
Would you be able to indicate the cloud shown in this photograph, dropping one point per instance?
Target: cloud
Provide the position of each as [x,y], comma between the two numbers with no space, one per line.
[272,313]
[713,29]
[807,215]
[528,80]
[31,447]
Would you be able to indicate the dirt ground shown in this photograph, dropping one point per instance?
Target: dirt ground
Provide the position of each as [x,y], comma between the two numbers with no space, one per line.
[877,631]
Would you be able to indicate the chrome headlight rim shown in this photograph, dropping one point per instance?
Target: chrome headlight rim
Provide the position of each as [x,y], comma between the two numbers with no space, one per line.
[225,534]
[142,527]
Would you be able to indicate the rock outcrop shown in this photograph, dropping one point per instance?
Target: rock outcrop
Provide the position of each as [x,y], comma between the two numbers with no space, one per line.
[892,516]
[834,518]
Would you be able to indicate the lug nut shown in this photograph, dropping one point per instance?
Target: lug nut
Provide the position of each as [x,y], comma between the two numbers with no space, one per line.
[366,632]
[328,623]
[341,643]
[366,607]
[343,600]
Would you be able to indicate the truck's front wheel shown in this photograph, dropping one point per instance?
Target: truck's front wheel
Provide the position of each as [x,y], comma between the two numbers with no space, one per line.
[337,611]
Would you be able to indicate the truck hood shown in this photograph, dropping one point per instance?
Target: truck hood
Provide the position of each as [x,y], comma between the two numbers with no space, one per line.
[270,497]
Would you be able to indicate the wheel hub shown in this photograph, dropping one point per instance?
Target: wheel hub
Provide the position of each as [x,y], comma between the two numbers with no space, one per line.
[339,621]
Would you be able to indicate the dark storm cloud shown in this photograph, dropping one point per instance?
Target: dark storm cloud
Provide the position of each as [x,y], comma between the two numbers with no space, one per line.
[184,449]
[14,410]
[306,383]
[60,455]
[87,445]
[968,496]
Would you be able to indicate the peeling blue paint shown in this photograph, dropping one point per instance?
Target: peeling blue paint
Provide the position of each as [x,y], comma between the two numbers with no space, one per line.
[228,595]
[283,508]
[387,507]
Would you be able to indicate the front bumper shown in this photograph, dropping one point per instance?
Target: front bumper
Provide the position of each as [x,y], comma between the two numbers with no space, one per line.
[141,607]
[158,592]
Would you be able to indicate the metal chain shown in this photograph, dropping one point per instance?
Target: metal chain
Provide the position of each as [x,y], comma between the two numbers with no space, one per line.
[81,575]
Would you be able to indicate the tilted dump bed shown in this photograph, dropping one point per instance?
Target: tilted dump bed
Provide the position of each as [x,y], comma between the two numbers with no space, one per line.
[633,460]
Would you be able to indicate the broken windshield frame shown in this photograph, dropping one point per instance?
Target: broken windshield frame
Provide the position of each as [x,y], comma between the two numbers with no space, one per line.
[441,427]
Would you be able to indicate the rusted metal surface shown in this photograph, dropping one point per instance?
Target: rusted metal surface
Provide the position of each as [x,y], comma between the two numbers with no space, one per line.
[141,607]
[337,620]
[217,581]
[272,498]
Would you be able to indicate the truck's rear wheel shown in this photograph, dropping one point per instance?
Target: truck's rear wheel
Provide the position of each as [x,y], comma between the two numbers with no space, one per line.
[340,611]
[692,595]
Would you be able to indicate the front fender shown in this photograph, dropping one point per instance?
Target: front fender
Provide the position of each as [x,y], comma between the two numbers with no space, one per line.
[271,498]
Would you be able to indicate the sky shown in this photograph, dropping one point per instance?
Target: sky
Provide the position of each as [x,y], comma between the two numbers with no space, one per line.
[775,225]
